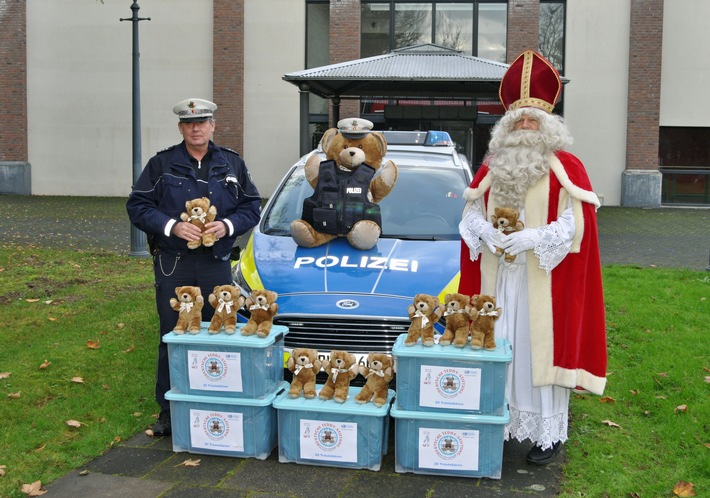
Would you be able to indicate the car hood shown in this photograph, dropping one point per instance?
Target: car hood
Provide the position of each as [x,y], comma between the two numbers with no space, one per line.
[393,268]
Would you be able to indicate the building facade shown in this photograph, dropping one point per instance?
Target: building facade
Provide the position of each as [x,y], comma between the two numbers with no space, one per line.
[636,71]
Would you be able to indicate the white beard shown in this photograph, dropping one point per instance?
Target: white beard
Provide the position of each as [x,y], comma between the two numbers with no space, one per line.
[519,162]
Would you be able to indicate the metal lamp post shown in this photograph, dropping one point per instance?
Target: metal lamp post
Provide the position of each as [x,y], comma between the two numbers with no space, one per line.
[138,238]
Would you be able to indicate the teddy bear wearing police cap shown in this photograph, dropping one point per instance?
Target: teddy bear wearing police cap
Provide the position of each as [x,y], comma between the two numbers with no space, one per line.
[347,186]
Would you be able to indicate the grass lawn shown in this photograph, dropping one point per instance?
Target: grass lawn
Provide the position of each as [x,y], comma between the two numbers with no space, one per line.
[79,334]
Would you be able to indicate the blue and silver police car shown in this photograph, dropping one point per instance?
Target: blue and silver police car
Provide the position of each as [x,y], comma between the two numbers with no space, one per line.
[336,297]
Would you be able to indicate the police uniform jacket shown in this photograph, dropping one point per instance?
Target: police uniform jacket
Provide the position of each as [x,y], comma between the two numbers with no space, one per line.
[169,180]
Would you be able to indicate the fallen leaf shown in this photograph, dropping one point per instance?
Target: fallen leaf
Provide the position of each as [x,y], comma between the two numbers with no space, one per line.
[5,375]
[662,374]
[149,433]
[34,489]
[137,414]
[45,364]
[610,423]
[84,473]
[707,379]
[190,463]
[129,349]
[78,380]
[684,489]
[74,423]
[120,325]
[32,300]
[48,302]
[635,391]
[52,319]
[14,395]
[41,448]
[681,408]
[2,470]
[105,386]
[92,344]
[607,399]
[633,494]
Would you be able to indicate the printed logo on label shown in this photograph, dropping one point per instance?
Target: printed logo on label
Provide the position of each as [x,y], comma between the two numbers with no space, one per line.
[448,445]
[328,437]
[216,427]
[449,383]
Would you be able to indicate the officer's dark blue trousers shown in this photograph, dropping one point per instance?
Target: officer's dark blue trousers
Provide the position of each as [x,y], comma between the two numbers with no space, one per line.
[198,268]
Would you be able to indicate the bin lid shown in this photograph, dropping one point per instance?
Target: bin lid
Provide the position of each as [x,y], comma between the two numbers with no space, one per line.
[502,353]
[456,418]
[350,406]
[221,339]
[172,395]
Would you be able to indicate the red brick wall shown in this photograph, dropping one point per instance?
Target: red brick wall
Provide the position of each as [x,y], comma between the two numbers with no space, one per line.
[345,44]
[523,27]
[13,82]
[228,72]
[645,48]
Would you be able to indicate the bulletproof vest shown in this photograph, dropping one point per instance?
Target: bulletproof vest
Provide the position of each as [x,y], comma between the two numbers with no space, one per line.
[340,199]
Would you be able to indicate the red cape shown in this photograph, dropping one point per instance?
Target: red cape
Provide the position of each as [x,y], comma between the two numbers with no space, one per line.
[579,355]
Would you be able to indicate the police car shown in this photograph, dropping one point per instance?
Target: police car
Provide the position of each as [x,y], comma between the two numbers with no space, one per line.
[335,297]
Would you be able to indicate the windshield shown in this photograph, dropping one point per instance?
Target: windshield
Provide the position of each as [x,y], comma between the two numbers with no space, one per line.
[425,203]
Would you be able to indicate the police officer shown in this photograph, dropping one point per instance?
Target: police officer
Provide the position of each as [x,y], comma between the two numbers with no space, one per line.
[196,167]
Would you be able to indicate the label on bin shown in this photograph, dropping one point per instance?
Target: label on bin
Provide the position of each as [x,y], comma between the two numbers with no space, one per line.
[446,449]
[215,371]
[216,430]
[331,441]
[454,388]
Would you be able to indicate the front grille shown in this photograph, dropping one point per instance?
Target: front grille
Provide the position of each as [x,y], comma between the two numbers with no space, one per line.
[346,334]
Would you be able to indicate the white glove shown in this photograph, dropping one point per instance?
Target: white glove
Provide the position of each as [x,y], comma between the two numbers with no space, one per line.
[523,240]
[491,237]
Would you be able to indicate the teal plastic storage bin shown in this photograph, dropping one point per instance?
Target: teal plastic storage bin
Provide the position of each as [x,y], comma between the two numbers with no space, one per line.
[231,366]
[450,379]
[450,444]
[230,427]
[328,433]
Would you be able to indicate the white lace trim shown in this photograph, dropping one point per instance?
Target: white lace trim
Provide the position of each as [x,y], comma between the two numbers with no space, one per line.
[471,228]
[550,249]
[541,431]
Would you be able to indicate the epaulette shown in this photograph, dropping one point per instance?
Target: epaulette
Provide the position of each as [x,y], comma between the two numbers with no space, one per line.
[228,149]
[167,149]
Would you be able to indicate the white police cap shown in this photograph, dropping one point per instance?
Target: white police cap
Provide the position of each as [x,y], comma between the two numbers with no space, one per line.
[354,127]
[190,110]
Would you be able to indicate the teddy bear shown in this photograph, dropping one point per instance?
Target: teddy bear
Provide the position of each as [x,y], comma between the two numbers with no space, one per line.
[200,212]
[505,220]
[304,365]
[424,313]
[341,368]
[226,300]
[188,304]
[347,186]
[483,316]
[456,313]
[378,374]
[262,306]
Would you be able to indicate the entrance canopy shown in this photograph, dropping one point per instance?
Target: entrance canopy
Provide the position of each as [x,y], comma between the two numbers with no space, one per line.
[424,71]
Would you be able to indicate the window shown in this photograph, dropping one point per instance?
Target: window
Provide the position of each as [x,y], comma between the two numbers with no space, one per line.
[474,27]
[684,159]
[552,32]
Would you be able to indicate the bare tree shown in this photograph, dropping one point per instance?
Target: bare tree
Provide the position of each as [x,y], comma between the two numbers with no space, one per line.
[551,37]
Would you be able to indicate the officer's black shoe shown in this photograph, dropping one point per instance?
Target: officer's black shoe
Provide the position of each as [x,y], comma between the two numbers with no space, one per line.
[538,456]
[163,427]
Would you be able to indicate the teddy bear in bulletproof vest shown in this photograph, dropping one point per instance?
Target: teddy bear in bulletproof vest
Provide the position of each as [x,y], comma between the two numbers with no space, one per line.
[347,186]
[200,212]
[483,316]
[262,306]
[226,300]
[456,313]
[341,369]
[188,304]
[304,365]
[506,221]
[424,313]
[378,374]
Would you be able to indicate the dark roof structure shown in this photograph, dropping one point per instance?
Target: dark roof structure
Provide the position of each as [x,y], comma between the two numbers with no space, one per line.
[426,70]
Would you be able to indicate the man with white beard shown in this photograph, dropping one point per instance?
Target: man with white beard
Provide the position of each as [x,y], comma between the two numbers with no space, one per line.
[551,293]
